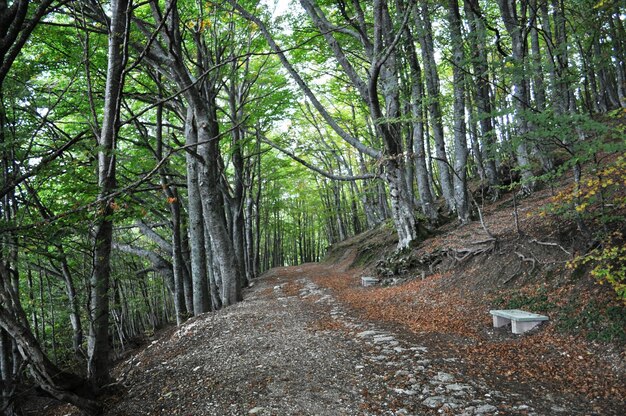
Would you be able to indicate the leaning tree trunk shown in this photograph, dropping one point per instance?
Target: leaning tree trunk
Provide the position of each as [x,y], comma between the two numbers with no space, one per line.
[61,385]
[98,342]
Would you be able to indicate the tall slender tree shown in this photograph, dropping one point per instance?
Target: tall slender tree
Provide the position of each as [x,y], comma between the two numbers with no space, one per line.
[460,136]
[98,340]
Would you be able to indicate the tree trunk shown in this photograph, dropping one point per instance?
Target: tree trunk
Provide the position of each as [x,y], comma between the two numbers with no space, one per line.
[98,346]
[417,112]
[236,97]
[182,291]
[7,392]
[460,138]
[213,206]
[482,96]
[199,272]
[61,385]
[431,76]
[70,290]
[538,81]
[514,25]
[618,43]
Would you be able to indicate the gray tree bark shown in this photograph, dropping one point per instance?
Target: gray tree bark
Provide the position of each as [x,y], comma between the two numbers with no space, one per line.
[618,35]
[425,37]
[236,98]
[98,364]
[482,95]
[514,22]
[460,137]
[199,272]
[418,130]
[60,384]
[182,292]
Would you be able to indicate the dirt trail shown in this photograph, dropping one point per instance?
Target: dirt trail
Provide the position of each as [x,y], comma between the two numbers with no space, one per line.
[291,348]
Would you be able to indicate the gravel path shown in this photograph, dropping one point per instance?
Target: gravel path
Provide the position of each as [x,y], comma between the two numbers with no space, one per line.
[290,348]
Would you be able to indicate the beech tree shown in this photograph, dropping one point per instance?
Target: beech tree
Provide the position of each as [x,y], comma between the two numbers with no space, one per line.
[378,49]
[222,140]
[98,345]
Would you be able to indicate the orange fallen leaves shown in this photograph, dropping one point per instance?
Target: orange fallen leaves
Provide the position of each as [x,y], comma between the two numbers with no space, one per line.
[422,307]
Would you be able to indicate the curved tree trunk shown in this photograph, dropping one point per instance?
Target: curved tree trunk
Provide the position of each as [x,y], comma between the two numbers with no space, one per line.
[61,385]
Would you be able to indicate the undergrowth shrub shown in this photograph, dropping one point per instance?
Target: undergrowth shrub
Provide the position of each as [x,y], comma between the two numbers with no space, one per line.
[599,200]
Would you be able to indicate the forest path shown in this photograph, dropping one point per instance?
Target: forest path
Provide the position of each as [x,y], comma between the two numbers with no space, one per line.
[291,348]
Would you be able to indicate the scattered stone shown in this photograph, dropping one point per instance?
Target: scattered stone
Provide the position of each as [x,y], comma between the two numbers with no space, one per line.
[434,402]
[442,377]
[485,408]
[383,338]
[458,387]
[447,408]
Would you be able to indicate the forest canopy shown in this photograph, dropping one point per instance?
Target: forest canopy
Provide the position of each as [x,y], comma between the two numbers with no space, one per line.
[158,156]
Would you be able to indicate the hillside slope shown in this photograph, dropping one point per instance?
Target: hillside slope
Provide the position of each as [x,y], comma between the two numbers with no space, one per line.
[518,258]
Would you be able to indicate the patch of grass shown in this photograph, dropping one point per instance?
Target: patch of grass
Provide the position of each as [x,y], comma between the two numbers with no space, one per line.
[364,257]
[606,324]
[536,302]
[595,320]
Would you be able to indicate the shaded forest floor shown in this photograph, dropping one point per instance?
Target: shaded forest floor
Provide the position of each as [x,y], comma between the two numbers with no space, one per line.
[309,340]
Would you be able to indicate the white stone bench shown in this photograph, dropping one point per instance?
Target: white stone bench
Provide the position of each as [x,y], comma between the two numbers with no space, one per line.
[521,321]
